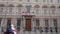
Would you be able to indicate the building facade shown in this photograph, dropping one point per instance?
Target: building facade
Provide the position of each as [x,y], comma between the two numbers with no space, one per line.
[31,16]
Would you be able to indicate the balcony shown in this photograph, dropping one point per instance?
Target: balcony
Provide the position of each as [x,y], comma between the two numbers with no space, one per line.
[28,13]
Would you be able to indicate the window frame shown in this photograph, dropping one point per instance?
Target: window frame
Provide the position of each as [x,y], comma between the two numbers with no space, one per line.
[52,10]
[18,24]
[37,24]
[1,9]
[45,10]
[55,23]
[46,23]
[28,7]
[10,10]
[37,10]
[19,9]
[0,21]
[9,21]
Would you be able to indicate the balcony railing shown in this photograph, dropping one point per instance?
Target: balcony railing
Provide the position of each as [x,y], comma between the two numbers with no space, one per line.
[28,13]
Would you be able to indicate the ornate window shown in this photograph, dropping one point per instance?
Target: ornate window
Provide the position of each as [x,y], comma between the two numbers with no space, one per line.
[18,24]
[46,22]
[58,9]
[10,8]
[46,25]
[37,24]
[1,8]
[19,7]
[37,8]
[9,21]
[0,21]
[28,7]
[55,22]
[45,8]
[52,9]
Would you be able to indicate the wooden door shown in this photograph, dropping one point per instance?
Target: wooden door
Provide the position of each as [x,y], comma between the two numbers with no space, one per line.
[28,25]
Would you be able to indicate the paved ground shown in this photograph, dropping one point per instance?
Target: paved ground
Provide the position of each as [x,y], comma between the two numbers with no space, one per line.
[38,32]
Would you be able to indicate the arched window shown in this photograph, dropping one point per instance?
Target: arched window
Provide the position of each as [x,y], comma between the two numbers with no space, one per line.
[58,9]
[28,7]
[52,9]
[44,8]
[37,8]
[19,7]
[1,8]
[10,8]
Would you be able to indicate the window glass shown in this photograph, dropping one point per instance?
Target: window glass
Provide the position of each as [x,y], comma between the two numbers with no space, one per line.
[53,10]
[0,22]
[19,9]
[10,10]
[18,24]
[28,8]
[46,23]
[55,22]
[8,21]
[45,10]
[58,11]
[37,22]
[37,10]
[1,9]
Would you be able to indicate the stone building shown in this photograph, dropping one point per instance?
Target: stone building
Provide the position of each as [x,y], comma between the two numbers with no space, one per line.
[31,16]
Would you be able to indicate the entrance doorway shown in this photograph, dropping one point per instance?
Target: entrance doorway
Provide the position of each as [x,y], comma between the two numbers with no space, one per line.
[28,24]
